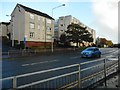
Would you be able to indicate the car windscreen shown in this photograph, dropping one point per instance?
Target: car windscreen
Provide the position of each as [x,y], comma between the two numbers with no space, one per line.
[90,49]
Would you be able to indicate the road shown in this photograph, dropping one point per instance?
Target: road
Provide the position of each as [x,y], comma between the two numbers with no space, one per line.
[18,66]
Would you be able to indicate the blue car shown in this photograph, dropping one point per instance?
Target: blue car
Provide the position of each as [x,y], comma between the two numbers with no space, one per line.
[91,52]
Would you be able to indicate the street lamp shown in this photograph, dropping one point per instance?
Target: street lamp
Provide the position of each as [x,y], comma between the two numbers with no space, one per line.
[57,7]
[51,24]
[7,15]
[12,32]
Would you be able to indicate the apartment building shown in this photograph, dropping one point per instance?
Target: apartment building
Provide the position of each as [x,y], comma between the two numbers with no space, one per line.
[56,28]
[4,29]
[62,23]
[31,27]
[93,32]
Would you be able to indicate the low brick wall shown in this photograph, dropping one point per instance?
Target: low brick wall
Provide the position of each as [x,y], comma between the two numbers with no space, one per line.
[37,44]
[29,52]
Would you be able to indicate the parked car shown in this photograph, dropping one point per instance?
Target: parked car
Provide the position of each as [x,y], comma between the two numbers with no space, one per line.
[91,52]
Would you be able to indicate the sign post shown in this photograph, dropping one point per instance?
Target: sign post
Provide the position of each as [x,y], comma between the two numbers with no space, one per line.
[25,42]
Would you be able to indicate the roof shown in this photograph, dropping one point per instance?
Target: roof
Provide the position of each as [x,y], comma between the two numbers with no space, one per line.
[35,11]
[6,23]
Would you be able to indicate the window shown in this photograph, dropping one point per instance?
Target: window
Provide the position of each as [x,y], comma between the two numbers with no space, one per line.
[61,18]
[48,28]
[56,27]
[32,25]
[48,36]
[31,16]
[48,21]
[61,30]
[31,34]
[61,25]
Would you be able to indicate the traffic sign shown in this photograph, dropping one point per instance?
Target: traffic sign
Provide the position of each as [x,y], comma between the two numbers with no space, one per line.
[24,40]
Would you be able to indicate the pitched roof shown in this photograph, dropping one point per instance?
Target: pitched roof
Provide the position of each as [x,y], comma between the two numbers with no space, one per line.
[35,12]
[6,23]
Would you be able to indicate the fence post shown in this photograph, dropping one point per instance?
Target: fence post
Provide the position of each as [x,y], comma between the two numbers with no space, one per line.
[14,82]
[118,71]
[79,80]
[105,72]
[118,64]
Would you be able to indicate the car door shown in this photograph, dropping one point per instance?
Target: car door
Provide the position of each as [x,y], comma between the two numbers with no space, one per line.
[97,51]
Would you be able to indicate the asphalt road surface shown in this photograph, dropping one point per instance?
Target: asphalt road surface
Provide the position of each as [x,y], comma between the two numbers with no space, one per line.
[18,66]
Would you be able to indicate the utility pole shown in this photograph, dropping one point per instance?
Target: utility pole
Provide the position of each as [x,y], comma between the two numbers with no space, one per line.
[52,36]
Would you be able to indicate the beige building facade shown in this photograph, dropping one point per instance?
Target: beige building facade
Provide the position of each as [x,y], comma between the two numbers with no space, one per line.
[31,27]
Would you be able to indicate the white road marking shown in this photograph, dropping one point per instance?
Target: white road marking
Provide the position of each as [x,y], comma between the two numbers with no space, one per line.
[109,51]
[53,60]
[39,63]
[25,65]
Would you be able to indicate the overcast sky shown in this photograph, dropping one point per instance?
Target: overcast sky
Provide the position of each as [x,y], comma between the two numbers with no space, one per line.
[100,15]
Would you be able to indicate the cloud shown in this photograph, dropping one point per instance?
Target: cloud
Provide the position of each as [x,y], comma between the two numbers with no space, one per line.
[106,13]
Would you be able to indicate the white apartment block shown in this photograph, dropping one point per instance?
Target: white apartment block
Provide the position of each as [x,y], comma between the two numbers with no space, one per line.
[62,23]
[31,26]
[92,31]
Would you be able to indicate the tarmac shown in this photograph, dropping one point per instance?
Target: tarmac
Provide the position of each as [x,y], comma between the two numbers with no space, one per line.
[112,83]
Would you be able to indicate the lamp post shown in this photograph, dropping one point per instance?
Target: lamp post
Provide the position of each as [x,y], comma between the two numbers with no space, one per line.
[12,32]
[51,24]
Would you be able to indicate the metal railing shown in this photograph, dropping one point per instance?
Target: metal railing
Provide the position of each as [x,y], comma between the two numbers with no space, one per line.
[107,68]
[60,81]
[74,76]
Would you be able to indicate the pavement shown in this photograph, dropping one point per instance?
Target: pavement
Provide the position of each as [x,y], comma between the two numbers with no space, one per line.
[112,83]
[27,53]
